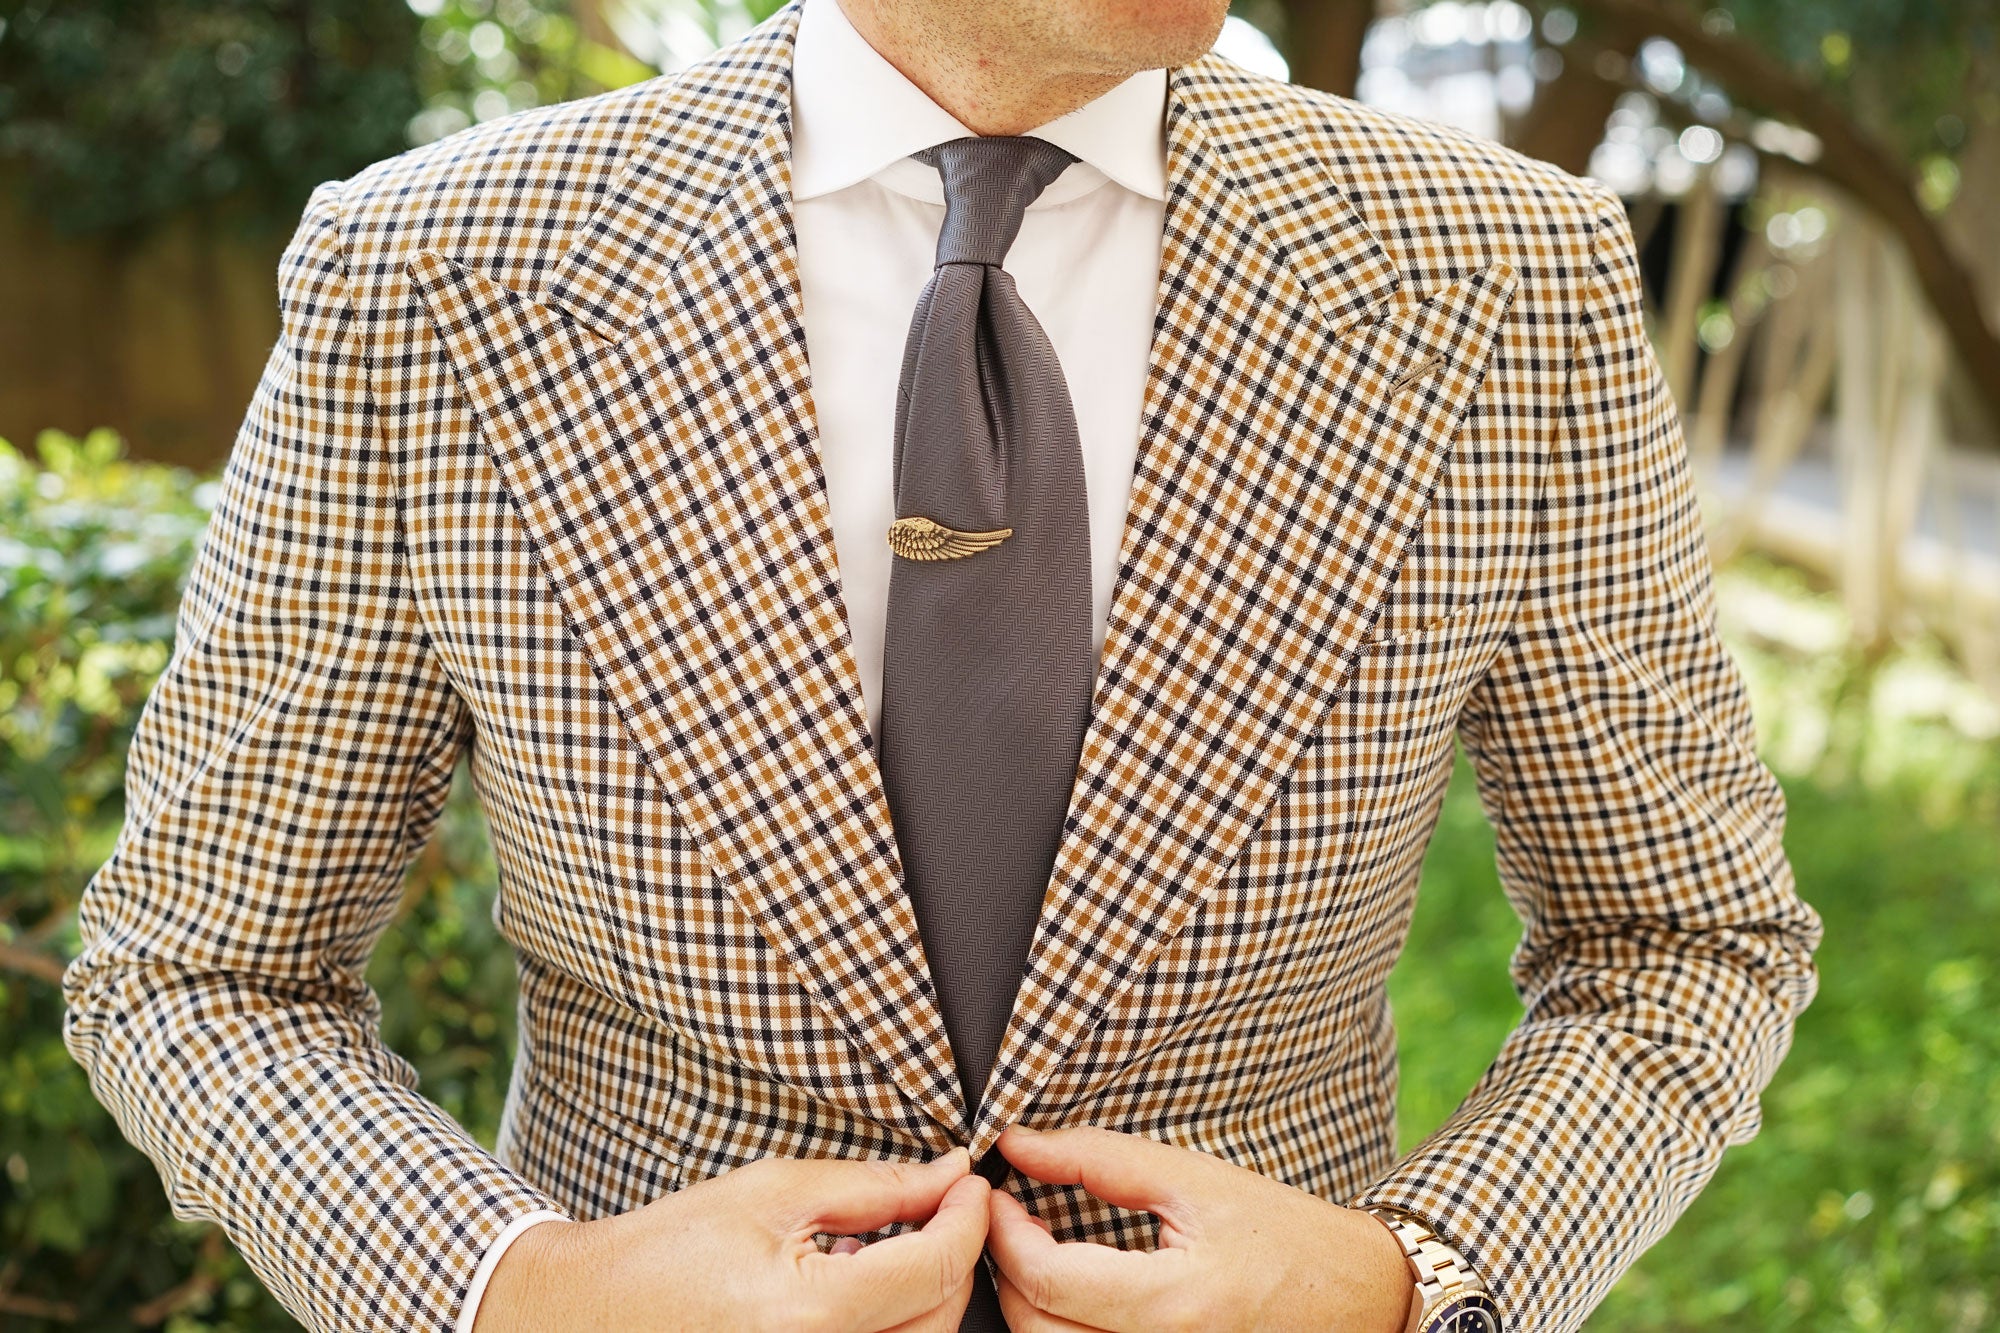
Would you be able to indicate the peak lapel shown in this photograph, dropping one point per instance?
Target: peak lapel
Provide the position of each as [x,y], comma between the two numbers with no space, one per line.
[1291,435]
[651,416]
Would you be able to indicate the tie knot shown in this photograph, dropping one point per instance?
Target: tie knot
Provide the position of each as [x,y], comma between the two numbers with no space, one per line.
[989,181]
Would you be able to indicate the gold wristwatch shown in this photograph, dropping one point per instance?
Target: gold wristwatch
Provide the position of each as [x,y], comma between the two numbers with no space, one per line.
[1450,1298]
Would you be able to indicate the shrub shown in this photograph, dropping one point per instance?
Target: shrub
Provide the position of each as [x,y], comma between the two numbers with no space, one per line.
[94,552]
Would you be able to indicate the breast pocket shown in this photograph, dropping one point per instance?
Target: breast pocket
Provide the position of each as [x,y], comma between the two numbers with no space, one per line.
[1398,625]
[1379,762]
[1408,683]
[1413,665]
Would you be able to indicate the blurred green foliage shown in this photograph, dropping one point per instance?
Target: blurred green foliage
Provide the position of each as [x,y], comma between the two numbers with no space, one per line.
[476,60]
[128,111]
[1903,70]
[1869,1201]
[124,113]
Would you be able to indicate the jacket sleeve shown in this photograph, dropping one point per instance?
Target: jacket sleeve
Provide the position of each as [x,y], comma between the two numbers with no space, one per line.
[291,760]
[1666,954]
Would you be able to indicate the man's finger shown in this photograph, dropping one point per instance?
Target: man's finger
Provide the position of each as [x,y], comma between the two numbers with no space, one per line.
[828,1194]
[907,1275]
[1096,1286]
[1129,1170]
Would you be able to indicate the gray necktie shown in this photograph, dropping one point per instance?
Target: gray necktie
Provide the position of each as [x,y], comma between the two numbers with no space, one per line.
[987,660]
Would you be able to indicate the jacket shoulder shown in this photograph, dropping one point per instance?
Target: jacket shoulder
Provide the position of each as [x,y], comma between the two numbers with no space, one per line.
[1394,152]
[1438,198]
[502,194]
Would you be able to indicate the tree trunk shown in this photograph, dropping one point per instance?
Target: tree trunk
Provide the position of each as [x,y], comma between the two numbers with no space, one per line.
[1323,42]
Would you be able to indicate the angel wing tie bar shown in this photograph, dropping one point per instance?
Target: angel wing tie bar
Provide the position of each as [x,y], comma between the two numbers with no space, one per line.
[920,538]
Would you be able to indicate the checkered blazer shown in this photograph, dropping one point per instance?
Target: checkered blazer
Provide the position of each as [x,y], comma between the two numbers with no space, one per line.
[531,476]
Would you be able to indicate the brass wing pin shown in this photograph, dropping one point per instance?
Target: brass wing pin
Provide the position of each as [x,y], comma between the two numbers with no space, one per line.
[920,538]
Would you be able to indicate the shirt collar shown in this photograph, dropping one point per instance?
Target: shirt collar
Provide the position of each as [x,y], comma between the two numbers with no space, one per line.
[856,116]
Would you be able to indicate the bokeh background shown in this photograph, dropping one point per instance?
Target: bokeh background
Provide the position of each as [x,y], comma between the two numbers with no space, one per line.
[1816,188]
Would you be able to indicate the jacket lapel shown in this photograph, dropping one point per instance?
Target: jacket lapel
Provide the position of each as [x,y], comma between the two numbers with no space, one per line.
[650,414]
[1299,408]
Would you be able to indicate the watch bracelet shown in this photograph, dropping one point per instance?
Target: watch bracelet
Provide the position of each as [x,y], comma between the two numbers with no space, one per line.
[1439,1271]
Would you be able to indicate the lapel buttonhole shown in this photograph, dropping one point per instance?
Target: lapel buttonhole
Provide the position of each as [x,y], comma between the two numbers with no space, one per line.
[1417,372]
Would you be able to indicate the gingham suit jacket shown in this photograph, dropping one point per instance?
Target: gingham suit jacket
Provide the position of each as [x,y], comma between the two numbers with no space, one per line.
[531,473]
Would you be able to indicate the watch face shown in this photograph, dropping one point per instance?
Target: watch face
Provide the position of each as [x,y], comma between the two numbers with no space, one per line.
[1473,1313]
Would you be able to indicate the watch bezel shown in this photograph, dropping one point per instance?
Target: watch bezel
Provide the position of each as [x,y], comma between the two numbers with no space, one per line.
[1438,1317]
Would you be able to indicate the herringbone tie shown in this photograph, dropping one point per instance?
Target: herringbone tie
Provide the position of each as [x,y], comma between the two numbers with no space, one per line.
[987,658]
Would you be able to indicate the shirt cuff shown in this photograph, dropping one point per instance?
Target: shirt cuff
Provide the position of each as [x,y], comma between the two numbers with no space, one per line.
[468,1309]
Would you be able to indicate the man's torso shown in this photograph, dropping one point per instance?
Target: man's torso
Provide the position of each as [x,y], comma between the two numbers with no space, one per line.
[616,530]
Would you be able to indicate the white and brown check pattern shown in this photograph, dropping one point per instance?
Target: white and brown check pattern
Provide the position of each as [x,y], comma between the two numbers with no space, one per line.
[532,471]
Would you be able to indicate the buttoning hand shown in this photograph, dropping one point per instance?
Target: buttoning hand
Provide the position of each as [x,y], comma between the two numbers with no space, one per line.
[1237,1250]
[736,1251]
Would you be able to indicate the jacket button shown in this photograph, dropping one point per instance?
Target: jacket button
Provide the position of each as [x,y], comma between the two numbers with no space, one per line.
[993,1166]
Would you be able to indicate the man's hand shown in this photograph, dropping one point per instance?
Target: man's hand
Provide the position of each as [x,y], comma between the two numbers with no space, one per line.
[1238,1250]
[736,1252]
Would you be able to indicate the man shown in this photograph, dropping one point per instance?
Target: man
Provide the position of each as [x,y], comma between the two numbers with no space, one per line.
[1203,454]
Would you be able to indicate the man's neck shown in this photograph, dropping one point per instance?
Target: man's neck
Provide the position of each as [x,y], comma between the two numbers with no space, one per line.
[970,69]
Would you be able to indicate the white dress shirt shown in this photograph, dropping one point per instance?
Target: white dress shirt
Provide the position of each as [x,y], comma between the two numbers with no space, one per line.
[867,218]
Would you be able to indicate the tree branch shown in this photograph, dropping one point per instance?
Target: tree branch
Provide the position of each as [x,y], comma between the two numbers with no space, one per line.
[27,961]
[1851,159]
